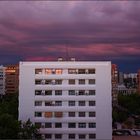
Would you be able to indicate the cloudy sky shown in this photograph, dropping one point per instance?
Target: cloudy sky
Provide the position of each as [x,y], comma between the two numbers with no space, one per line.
[91,30]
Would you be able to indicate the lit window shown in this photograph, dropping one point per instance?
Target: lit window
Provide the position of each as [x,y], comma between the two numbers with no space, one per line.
[58,114]
[48,71]
[91,81]
[58,71]
[71,82]
[48,114]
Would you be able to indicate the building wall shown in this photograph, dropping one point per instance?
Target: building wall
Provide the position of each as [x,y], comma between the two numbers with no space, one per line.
[2,80]
[102,97]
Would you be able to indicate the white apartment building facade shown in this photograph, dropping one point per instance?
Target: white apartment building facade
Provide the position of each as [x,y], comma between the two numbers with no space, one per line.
[2,80]
[68,99]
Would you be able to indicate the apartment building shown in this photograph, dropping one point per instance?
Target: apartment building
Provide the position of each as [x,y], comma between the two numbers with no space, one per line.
[11,79]
[68,99]
[2,80]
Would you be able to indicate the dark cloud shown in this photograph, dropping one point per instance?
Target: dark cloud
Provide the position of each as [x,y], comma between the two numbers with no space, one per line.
[91,30]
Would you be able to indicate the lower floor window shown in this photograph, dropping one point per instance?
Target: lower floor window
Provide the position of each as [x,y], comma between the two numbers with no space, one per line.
[71,136]
[58,136]
[48,136]
[92,136]
[82,136]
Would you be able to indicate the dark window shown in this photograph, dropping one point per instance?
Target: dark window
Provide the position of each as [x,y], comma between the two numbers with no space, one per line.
[91,81]
[47,82]
[82,125]
[71,82]
[58,82]
[58,125]
[58,136]
[91,92]
[38,103]
[81,103]
[58,103]
[81,92]
[48,125]
[92,114]
[58,92]
[91,71]
[71,136]
[48,136]
[81,71]
[81,81]
[92,136]
[71,114]
[38,92]
[38,71]
[71,103]
[38,124]
[71,92]
[91,103]
[72,71]
[72,125]
[82,114]
[38,114]
[92,125]
[82,136]
[48,92]
[48,103]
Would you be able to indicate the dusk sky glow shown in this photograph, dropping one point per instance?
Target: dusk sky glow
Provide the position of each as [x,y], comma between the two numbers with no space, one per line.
[90,30]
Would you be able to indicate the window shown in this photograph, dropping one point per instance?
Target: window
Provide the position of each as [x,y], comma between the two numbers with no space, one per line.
[37,92]
[71,82]
[72,71]
[71,114]
[48,136]
[91,92]
[48,114]
[81,92]
[81,71]
[91,103]
[92,114]
[71,103]
[58,71]
[71,136]
[82,125]
[48,92]
[48,103]
[92,125]
[81,103]
[38,114]
[92,136]
[82,136]
[48,71]
[38,103]
[81,81]
[58,82]
[58,92]
[71,125]
[38,124]
[82,114]
[91,71]
[91,81]
[58,136]
[38,71]
[58,125]
[71,92]
[58,103]
[47,82]
[48,125]
[37,82]
[58,114]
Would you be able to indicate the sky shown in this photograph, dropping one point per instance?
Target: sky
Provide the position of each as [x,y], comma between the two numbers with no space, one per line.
[86,30]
